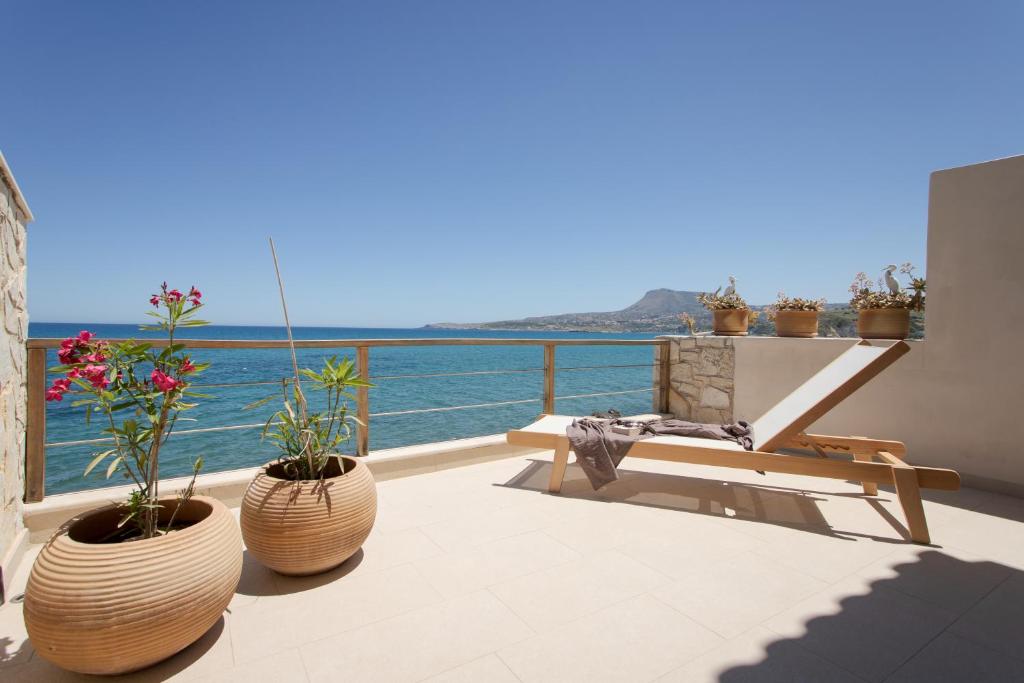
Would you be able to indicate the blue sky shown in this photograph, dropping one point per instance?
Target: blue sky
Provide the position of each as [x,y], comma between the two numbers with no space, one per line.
[470,161]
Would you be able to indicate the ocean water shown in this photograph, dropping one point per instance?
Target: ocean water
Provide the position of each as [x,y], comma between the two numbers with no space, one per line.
[243,448]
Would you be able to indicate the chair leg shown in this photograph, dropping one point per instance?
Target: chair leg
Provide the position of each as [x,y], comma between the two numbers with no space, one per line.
[870,487]
[909,493]
[559,465]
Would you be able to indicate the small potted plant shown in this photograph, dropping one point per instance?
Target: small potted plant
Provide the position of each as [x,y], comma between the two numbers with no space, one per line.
[730,312]
[883,308]
[311,509]
[126,585]
[795,317]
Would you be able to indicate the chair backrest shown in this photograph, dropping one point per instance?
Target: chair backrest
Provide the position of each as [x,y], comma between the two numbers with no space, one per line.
[824,391]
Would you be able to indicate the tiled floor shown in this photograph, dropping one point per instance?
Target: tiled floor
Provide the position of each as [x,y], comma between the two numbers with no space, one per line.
[475,574]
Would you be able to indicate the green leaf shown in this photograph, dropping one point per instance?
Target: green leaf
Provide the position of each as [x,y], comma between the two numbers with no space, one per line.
[100,457]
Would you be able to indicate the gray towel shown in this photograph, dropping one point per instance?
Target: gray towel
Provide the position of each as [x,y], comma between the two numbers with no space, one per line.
[599,450]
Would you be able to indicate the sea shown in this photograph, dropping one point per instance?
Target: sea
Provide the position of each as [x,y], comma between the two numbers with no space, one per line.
[238,377]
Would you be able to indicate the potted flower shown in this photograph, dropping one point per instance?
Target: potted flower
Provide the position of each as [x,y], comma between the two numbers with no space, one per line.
[883,308]
[126,585]
[311,509]
[731,313]
[795,317]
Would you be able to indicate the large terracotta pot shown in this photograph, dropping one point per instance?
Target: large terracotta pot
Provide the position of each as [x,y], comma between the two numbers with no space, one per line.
[796,323]
[110,608]
[731,322]
[307,527]
[883,323]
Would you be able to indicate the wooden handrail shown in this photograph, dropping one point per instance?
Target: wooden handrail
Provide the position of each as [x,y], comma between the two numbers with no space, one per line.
[35,447]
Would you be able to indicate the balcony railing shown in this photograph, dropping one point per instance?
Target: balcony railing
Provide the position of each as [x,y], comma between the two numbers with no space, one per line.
[36,443]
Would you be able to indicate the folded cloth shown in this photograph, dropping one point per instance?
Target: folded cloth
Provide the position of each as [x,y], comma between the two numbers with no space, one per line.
[599,449]
[739,432]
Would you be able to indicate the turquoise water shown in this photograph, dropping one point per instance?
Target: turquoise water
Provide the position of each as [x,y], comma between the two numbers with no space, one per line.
[242,448]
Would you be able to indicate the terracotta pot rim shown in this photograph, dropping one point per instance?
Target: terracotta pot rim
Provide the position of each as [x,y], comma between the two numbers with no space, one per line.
[265,470]
[886,308]
[192,530]
[787,311]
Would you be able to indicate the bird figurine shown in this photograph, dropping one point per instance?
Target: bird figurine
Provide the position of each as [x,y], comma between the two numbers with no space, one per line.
[731,289]
[890,281]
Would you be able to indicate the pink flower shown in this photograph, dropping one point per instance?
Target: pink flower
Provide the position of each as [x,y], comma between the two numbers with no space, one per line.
[75,373]
[155,300]
[96,357]
[57,391]
[97,375]
[163,382]
[194,295]
[68,356]
[174,294]
[85,335]
[187,367]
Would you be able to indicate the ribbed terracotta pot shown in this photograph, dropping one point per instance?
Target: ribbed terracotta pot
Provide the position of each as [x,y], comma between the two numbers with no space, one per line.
[731,322]
[111,608]
[307,527]
[883,323]
[796,323]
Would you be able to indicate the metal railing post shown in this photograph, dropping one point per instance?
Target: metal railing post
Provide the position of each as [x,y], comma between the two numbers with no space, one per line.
[35,427]
[549,379]
[363,402]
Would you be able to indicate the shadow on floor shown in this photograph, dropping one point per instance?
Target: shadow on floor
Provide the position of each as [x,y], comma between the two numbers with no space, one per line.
[939,618]
[781,506]
[257,580]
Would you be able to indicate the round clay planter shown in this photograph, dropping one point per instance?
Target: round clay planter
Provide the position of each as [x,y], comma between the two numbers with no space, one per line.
[307,527]
[731,322]
[796,323]
[111,608]
[883,323]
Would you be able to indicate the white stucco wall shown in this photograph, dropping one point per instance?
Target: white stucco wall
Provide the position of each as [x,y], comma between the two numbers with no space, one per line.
[956,398]
[14,216]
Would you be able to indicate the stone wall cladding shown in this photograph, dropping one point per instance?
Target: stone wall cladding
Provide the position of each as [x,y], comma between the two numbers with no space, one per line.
[13,333]
[702,378]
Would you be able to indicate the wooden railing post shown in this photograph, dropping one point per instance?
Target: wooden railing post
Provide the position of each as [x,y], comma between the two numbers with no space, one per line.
[35,427]
[363,402]
[549,379]
[664,374]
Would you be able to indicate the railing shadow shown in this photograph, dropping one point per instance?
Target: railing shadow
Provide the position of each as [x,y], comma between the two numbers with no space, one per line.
[765,504]
[940,618]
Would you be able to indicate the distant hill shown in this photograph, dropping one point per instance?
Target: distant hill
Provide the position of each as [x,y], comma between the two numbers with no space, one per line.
[658,311]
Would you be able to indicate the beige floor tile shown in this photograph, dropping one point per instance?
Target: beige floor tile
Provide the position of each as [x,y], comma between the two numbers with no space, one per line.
[635,640]
[417,645]
[759,656]
[731,596]
[997,621]
[345,604]
[468,530]
[383,551]
[569,591]
[699,543]
[489,669]
[992,537]
[869,631]
[952,658]
[829,558]
[282,667]
[469,570]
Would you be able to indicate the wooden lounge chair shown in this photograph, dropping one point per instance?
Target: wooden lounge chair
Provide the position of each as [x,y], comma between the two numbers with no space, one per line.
[874,461]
